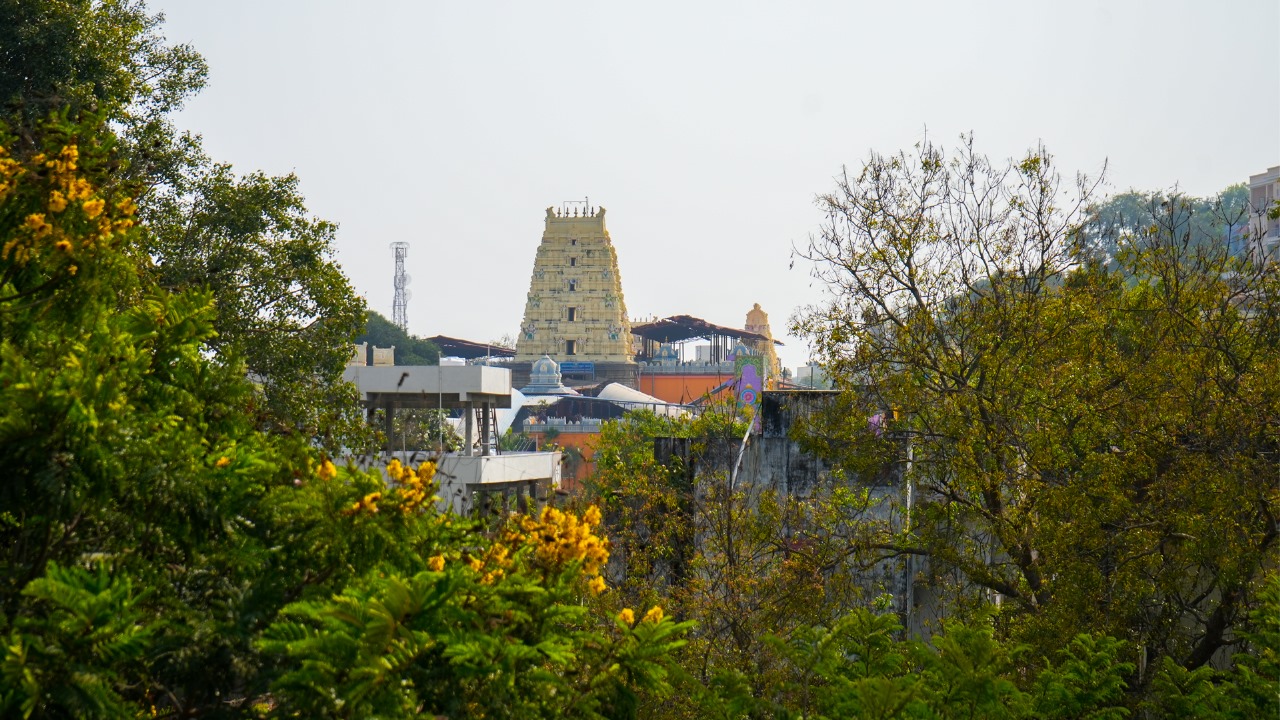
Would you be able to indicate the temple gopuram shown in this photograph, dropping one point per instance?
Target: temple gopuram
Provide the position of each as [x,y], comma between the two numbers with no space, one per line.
[575,312]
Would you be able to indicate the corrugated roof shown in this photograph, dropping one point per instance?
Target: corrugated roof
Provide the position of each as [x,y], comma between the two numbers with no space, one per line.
[678,328]
[455,347]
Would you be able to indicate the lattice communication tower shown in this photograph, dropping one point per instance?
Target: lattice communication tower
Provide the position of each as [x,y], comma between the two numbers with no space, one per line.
[400,309]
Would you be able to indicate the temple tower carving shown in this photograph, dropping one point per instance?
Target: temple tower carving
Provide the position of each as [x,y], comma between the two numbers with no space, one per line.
[574,311]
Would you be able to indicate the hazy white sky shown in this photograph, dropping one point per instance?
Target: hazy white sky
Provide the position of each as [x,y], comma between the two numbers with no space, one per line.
[705,128]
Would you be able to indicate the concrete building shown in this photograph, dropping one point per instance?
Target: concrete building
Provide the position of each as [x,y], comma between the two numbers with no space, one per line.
[552,413]
[812,376]
[1264,232]
[481,476]
[770,459]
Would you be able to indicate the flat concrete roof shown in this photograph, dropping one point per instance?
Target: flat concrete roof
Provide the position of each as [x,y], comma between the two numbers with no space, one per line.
[431,386]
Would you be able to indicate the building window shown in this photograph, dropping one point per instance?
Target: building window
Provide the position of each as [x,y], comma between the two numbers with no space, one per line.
[573,262]
[573,314]
[570,347]
[573,285]
[573,242]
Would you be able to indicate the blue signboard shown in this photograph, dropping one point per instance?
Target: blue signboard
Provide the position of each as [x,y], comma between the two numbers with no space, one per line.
[588,368]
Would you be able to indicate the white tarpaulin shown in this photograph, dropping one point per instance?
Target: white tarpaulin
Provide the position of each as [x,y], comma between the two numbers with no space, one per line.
[630,399]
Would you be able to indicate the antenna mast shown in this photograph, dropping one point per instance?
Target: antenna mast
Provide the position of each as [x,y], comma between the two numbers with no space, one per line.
[400,307]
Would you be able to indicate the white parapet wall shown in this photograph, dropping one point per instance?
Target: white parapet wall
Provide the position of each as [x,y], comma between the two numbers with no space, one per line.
[465,480]
[384,357]
[359,354]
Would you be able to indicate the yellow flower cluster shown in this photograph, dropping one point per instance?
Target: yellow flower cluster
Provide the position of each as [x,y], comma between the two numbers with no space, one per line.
[10,171]
[558,538]
[554,538]
[413,490]
[327,471]
[416,487]
[561,537]
[64,163]
[654,615]
[368,503]
[493,564]
[68,189]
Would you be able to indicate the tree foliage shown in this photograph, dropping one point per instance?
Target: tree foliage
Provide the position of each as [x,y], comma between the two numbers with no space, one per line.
[283,305]
[468,623]
[750,565]
[1093,444]
[1221,220]
[163,554]
[410,349]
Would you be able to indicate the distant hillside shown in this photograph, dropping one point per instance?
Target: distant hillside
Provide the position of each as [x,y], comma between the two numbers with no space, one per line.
[410,350]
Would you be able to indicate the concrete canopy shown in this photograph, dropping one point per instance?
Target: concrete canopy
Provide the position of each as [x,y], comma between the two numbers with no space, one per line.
[431,386]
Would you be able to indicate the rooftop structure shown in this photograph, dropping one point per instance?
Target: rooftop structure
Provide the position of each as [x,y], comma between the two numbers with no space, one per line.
[664,372]
[457,347]
[678,328]
[467,480]
[544,379]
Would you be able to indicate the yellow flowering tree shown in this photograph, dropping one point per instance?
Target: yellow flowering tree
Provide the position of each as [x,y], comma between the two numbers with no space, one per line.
[126,448]
[461,620]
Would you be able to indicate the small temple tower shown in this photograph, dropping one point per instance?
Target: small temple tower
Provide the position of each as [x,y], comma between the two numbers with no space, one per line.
[574,312]
[758,322]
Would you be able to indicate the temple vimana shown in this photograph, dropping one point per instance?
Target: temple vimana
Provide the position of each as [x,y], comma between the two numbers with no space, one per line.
[575,314]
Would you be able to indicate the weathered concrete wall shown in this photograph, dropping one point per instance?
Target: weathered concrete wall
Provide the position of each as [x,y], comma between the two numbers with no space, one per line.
[773,461]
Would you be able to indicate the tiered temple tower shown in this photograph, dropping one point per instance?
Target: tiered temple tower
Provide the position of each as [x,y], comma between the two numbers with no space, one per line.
[758,322]
[575,312]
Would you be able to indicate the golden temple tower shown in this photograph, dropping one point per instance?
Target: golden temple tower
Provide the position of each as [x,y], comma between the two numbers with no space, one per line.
[574,312]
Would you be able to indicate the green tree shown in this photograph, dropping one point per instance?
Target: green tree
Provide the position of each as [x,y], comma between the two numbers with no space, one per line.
[410,350]
[121,440]
[1220,220]
[284,306]
[463,622]
[1088,443]
[79,649]
[103,56]
[224,557]
[746,563]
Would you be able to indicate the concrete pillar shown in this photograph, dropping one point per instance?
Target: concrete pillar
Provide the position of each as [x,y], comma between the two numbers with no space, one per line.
[469,414]
[486,428]
[387,425]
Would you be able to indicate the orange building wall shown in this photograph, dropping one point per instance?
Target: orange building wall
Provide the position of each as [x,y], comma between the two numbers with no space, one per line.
[585,444]
[681,389]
